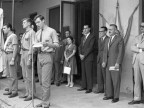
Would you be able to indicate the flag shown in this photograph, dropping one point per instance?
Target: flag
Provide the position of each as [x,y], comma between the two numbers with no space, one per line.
[118,20]
[1,42]
[126,37]
[104,21]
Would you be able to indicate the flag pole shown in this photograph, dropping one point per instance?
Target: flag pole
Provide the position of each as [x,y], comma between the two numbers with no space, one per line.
[117,6]
[13,8]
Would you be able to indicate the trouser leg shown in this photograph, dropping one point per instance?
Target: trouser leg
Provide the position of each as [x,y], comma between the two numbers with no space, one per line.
[137,80]
[13,81]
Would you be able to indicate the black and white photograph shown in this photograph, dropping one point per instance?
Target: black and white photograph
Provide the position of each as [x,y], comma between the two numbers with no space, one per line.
[71,53]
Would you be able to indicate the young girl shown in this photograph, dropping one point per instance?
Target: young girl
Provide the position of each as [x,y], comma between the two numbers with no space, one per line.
[70,60]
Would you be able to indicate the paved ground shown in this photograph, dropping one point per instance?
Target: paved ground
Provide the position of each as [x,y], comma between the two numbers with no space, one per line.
[65,97]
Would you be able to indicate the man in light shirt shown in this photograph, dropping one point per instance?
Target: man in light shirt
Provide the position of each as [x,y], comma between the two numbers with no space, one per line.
[138,65]
[10,50]
[49,40]
[26,57]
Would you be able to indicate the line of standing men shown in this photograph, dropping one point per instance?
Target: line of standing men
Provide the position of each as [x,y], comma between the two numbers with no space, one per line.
[49,40]
[110,57]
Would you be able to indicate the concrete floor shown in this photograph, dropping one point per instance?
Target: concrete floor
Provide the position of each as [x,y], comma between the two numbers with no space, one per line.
[65,97]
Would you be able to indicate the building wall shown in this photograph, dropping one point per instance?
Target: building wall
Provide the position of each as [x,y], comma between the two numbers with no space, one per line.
[126,7]
[23,9]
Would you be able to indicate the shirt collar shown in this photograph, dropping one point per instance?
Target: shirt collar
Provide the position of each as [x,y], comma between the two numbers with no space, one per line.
[87,34]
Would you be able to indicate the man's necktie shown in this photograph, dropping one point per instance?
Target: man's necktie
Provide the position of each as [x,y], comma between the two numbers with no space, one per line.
[110,40]
[142,37]
[84,39]
[39,49]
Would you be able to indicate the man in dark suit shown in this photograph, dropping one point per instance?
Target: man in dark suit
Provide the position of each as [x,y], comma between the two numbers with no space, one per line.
[112,60]
[86,55]
[100,70]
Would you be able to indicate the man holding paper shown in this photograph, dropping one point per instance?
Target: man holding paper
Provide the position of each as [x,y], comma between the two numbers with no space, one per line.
[49,40]
[112,60]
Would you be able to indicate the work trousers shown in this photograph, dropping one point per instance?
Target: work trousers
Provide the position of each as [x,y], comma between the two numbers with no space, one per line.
[12,73]
[45,71]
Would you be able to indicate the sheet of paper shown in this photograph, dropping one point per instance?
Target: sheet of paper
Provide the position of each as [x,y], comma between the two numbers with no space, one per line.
[113,68]
[37,45]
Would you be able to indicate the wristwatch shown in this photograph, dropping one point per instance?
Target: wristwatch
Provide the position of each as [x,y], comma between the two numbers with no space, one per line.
[30,59]
[13,59]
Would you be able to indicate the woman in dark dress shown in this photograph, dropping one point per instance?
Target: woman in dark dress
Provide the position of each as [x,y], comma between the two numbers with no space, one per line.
[70,60]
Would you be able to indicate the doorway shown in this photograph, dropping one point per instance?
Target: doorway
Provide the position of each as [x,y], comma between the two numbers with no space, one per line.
[74,15]
[54,18]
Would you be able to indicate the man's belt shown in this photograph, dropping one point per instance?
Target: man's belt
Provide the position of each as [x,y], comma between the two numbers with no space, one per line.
[24,49]
[44,52]
[8,52]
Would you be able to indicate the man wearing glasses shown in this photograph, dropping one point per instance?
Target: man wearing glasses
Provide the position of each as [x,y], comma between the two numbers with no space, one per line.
[138,64]
[100,70]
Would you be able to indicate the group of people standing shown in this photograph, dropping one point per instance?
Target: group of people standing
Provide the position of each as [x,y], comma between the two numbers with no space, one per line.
[109,62]
[54,52]
[47,38]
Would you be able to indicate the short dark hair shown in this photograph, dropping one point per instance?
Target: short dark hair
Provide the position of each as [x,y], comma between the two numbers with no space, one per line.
[68,31]
[20,34]
[71,38]
[87,25]
[114,25]
[8,25]
[105,28]
[58,32]
[39,16]
[28,20]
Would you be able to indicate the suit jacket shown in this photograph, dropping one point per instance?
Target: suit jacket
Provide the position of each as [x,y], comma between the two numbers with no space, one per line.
[87,48]
[114,52]
[101,45]
[140,42]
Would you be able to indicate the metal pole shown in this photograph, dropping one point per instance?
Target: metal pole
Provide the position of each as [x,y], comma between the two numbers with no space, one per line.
[13,8]
[1,3]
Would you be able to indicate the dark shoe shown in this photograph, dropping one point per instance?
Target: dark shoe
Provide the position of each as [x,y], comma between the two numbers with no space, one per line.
[7,93]
[23,96]
[81,89]
[13,95]
[36,80]
[46,106]
[97,92]
[6,89]
[88,91]
[115,100]
[52,83]
[107,98]
[57,84]
[20,78]
[142,101]
[28,98]
[39,105]
[134,102]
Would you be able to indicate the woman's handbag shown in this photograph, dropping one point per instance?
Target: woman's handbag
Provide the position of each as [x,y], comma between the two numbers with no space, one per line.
[67,69]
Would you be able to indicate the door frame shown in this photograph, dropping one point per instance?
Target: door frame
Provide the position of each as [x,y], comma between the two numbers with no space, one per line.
[48,14]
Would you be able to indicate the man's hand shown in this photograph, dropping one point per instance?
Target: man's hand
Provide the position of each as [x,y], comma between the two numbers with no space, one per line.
[45,44]
[116,66]
[12,62]
[103,64]
[61,61]
[66,59]
[29,63]
[81,56]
